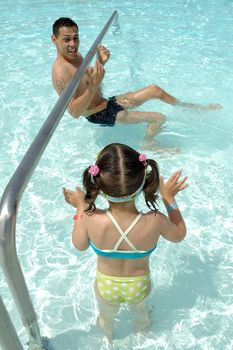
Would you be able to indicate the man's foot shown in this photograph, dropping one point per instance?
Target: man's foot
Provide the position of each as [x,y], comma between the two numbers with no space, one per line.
[199,107]
[155,146]
[214,106]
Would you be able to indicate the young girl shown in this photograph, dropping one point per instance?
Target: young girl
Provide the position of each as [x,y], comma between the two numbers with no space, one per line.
[123,237]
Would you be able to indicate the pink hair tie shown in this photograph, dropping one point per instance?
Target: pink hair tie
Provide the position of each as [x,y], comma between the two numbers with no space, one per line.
[94,170]
[142,158]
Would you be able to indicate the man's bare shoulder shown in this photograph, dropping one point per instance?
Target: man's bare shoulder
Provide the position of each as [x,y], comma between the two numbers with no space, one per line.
[62,72]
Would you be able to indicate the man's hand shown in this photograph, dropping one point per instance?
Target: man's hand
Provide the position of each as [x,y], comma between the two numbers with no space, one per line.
[95,75]
[103,54]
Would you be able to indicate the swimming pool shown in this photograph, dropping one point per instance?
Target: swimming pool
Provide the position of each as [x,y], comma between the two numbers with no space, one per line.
[186,48]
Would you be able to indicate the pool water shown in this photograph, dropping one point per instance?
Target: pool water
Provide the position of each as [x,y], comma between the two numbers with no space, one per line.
[186,48]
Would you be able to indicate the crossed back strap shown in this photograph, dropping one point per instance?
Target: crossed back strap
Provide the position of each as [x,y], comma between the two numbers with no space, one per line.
[124,233]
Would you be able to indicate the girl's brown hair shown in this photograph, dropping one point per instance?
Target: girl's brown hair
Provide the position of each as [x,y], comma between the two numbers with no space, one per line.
[121,174]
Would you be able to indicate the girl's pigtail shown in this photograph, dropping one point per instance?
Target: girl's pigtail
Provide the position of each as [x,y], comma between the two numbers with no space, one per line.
[90,183]
[151,186]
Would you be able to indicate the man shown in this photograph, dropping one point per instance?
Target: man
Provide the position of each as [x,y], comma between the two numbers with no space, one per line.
[88,100]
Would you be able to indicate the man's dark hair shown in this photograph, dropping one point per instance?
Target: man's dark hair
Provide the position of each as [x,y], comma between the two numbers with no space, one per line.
[62,22]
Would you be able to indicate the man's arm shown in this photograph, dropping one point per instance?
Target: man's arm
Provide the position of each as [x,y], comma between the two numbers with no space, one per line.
[60,85]
[80,102]
[60,77]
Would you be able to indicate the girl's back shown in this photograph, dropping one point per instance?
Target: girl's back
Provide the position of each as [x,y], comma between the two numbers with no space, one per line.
[123,238]
[104,236]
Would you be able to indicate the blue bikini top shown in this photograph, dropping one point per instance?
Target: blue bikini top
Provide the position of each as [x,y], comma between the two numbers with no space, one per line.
[123,254]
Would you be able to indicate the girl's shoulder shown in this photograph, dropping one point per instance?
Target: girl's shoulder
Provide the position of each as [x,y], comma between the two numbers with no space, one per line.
[154,215]
[97,213]
[96,219]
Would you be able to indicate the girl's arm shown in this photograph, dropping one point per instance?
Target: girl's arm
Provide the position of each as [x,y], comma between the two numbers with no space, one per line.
[173,227]
[80,238]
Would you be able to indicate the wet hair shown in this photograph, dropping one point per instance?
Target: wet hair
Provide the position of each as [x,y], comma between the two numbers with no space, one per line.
[121,174]
[62,22]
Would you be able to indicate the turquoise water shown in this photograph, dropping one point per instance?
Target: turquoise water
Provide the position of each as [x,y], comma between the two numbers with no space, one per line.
[186,48]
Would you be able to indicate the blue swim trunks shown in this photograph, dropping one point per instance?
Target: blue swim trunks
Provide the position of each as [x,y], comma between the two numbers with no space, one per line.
[107,116]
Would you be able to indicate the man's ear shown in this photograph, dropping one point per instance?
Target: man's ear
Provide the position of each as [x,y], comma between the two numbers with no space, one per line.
[54,39]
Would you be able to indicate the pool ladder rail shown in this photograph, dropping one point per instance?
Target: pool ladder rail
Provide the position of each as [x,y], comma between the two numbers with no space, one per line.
[9,205]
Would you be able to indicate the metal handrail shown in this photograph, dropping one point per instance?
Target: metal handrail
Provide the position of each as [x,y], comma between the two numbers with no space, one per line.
[8,336]
[14,190]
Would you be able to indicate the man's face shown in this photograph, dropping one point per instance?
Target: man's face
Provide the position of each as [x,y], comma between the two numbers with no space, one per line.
[67,42]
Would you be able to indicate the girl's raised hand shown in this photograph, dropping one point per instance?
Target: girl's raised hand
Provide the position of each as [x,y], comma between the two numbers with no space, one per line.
[74,198]
[172,186]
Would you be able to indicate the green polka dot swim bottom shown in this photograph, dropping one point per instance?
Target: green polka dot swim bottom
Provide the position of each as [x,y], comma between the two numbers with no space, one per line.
[118,290]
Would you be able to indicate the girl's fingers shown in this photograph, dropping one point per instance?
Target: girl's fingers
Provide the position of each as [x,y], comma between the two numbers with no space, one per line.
[161,183]
[174,177]
[183,187]
[180,183]
[161,179]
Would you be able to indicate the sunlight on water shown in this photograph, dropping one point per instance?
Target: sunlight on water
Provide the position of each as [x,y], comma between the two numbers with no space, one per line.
[186,48]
